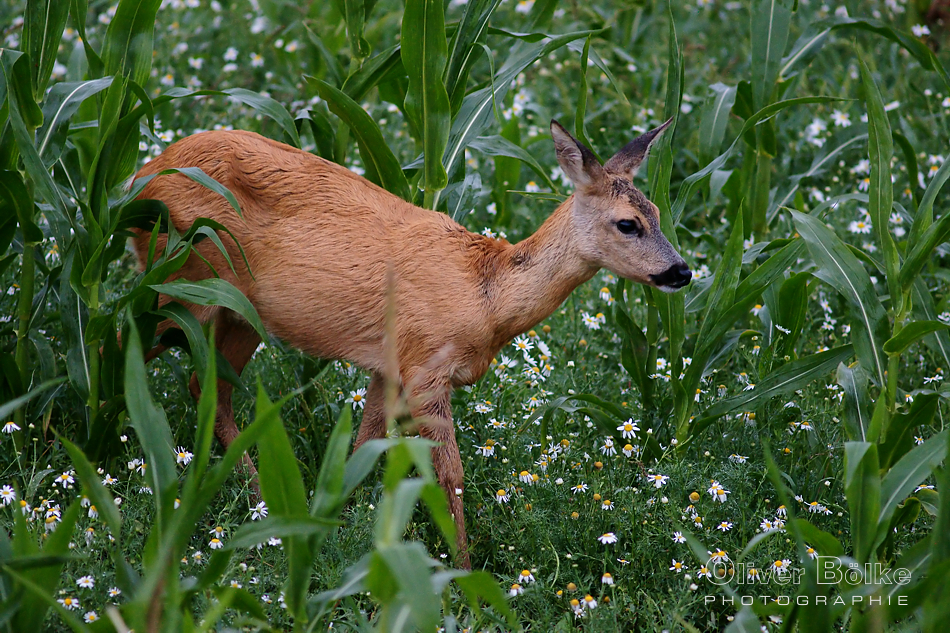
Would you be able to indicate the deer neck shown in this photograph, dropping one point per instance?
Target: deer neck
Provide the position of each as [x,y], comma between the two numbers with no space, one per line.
[540,272]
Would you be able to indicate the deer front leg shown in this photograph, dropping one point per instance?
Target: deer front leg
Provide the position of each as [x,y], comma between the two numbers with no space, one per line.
[433,409]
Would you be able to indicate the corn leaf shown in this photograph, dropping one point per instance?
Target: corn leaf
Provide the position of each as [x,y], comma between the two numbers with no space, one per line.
[214,291]
[854,384]
[771,20]
[373,72]
[268,107]
[61,104]
[424,56]
[712,128]
[863,490]
[925,236]
[464,49]
[839,268]
[42,31]
[500,146]
[881,190]
[127,49]
[373,148]
[910,334]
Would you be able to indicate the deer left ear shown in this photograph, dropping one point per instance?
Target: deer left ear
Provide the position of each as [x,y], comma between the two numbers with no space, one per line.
[627,161]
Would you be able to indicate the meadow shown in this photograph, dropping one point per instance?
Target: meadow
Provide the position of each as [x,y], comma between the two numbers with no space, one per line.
[765,450]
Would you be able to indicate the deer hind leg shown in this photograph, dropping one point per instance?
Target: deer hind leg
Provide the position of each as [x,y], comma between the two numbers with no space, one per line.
[432,407]
[237,342]
[373,426]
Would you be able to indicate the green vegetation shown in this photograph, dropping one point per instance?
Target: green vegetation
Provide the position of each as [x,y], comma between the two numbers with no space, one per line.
[640,461]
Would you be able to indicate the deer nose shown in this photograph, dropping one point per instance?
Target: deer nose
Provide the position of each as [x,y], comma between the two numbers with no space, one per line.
[676,276]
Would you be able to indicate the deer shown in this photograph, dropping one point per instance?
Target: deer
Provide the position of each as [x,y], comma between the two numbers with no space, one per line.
[330,253]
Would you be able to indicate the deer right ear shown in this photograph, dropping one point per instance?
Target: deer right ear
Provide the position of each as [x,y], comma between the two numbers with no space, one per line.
[576,160]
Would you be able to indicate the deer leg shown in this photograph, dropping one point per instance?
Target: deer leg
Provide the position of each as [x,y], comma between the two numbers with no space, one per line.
[373,426]
[433,409]
[237,342]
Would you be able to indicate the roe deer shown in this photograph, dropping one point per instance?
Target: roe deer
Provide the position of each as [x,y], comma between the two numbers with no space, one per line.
[324,245]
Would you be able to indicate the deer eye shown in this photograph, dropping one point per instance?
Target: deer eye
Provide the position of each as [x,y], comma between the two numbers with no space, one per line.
[628,227]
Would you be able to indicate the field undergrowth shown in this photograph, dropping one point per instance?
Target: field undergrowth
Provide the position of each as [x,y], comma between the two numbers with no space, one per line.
[637,461]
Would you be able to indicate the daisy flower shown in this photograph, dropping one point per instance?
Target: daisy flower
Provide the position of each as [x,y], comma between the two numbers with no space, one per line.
[86,582]
[678,537]
[183,456]
[678,567]
[357,398]
[628,429]
[658,481]
[607,579]
[502,496]
[526,576]
[608,538]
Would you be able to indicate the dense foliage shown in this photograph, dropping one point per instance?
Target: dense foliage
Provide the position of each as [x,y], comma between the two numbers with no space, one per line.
[639,461]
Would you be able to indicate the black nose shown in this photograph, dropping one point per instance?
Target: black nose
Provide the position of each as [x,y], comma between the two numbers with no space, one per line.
[676,276]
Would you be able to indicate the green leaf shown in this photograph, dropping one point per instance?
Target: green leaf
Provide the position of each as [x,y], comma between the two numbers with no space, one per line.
[854,384]
[925,236]
[149,422]
[98,494]
[815,36]
[863,491]
[824,543]
[42,31]
[500,146]
[475,113]
[191,327]
[881,190]
[787,378]
[268,107]
[480,586]
[840,269]
[61,104]
[899,438]
[909,472]
[25,115]
[8,408]
[127,49]
[770,23]
[213,292]
[257,532]
[329,494]
[910,334]
[374,151]
[424,56]
[712,128]
[689,185]
[374,71]
[464,50]
[354,13]
[13,195]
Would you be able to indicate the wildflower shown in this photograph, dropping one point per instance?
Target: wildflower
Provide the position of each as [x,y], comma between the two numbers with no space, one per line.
[592,322]
[678,537]
[90,616]
[357,398]
[216,543]
[703,572]
[516,590]
[66,479]
[137,465]
[10,427]
[738,459]
[259,511]
[658,481]
[483,407]
[841,119]
[920,30]
[86,582]
[608,538]
[720,494]
[523,344]
[766,525]
[108,480]
[608,447]
[725,526]
[628,429]
[605,294]
[627,450]
[756,309]
[589,602]
[812,554]
[525,477]
[502,496]
[7,496]
[781,511]
[231,54]
[579,488]
[607,505]
[257,60]
[183,456]
[70,603]
[524,6]
[719,556]
[526,576]
[782,566]
[678,567]
[93,512]
[487,450]
[90,535]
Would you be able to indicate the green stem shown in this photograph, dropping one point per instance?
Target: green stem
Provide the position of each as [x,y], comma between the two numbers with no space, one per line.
[432,198]
[93,348]
[760,206]
[24,312]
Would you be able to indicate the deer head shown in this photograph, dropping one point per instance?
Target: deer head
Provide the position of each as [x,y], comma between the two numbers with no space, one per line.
[617,228]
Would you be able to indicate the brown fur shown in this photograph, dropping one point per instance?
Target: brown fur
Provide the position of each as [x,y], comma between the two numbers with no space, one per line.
[320,240]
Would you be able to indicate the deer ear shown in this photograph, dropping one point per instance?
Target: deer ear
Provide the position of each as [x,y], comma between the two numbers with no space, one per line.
[576,160]
[627,161]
